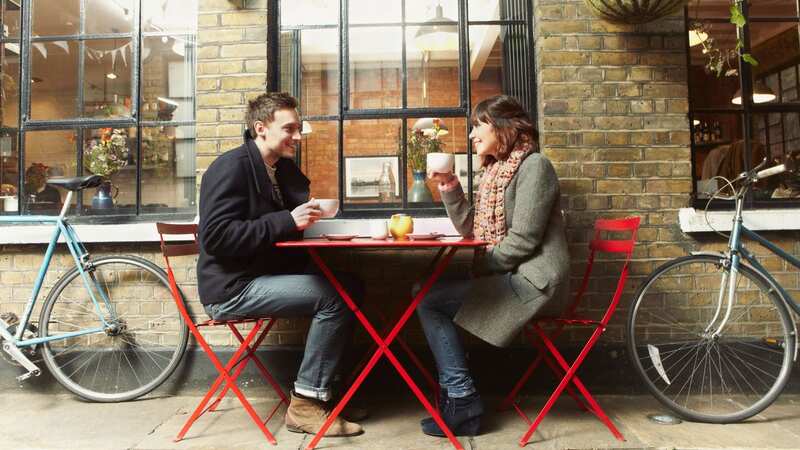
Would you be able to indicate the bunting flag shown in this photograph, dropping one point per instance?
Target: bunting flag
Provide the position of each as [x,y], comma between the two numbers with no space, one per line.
[42,49]
[96,55]
[62,45]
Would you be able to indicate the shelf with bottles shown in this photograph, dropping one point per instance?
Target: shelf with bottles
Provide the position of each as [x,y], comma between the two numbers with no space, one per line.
[707,134]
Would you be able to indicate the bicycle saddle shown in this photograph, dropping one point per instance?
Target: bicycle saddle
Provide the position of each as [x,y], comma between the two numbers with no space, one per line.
[76,183]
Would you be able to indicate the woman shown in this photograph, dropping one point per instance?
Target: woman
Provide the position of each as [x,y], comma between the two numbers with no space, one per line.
[524,267]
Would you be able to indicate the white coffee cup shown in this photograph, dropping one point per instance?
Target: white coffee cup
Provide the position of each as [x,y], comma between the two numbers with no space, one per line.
[378,229]
[440,162]
[328,206]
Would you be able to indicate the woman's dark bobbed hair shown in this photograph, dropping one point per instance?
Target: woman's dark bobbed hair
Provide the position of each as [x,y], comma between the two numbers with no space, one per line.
[510,121]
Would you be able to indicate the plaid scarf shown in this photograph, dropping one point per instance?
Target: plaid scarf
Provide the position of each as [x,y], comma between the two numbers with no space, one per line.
[490,215]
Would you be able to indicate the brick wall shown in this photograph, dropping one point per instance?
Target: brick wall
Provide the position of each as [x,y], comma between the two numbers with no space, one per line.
[612,104]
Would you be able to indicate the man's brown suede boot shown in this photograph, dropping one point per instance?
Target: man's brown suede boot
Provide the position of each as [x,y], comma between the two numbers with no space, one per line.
[306,415]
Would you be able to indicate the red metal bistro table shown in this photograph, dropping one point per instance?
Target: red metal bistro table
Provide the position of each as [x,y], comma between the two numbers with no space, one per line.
[447,247]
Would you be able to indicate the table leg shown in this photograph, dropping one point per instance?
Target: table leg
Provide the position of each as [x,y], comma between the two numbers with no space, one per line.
[383,347]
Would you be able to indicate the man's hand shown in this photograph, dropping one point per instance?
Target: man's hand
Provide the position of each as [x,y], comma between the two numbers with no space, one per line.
[306,214]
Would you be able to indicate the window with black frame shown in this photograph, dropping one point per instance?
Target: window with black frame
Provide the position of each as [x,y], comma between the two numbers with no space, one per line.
[395,81]
[750,112]
[101,87]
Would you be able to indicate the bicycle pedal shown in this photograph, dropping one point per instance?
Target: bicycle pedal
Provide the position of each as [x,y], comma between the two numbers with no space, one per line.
[27,375]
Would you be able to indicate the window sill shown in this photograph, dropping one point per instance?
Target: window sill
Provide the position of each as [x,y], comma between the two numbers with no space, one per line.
[146,231]
[693,220]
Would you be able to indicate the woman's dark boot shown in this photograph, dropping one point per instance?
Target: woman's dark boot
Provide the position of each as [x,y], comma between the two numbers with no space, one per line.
[462,416]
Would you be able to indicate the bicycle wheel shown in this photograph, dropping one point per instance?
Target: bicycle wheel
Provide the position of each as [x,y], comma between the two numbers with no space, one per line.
[695,366]
[144,336]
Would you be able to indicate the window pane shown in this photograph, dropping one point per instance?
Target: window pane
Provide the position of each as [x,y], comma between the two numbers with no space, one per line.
[708,90]
[717,150]
[452,139]
[433,75]
[370,11]
[47,154]
[167,78]
[10,17]
[9,84]
[497,9]
[425,10]
[179,16]
[371,149]
[707,9]
[111,154]
[107,82]
[485,61]
[776,47]
[776,135]
[55,17]
[320,72]
[168,169]
[309,12]
[109,16]
[320,158]
[9,160]
[54,66]
[375,67]
[772,8]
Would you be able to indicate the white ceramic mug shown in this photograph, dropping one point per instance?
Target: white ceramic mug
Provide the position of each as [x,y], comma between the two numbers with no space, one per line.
[378,229]
[440,162]
[328,206]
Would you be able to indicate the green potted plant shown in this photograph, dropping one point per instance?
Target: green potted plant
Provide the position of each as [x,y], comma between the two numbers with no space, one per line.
[105,156]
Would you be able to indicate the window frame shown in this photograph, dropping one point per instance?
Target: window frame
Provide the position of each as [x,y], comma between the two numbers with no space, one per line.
[745,112]
[81,125]
[402,113]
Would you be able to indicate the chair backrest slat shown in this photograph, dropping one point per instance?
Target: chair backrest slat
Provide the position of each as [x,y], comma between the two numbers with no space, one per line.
[171,250]
[626,224]
[612,246]
[176,228]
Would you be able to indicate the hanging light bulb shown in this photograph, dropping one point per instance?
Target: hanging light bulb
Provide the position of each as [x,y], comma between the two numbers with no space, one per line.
[761,94]
[438,33]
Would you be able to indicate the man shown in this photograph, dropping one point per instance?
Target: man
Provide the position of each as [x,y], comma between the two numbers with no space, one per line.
[250,198]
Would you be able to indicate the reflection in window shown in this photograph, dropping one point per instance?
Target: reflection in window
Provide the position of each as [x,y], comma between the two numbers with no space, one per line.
[107,78]
[375,67]
[55,17]
[168,78]
[168,168]
[719,106]
[147,161]
[54,76]
[47,154]
[390,88]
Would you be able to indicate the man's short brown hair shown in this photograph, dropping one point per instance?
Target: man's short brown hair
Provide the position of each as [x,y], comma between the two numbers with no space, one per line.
[263,107]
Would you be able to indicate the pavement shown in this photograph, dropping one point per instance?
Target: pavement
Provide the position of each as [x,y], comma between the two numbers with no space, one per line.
[58,420]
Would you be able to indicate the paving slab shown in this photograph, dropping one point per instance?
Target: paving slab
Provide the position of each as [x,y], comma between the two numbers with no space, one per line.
[60,421]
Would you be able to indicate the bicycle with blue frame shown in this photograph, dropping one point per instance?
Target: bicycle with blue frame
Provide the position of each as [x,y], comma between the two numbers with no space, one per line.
[108,330]
[711,333]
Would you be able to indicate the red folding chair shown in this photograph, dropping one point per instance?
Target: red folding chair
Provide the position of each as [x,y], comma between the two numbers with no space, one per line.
[243,355]
[543,341]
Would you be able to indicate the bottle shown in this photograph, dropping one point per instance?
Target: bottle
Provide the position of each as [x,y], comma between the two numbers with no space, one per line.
[706,132]
[386,184]
[717,132]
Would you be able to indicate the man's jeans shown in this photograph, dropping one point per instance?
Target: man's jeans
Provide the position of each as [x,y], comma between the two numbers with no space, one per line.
[302,295]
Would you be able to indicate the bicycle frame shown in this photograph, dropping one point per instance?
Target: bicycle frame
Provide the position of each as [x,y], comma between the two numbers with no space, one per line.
[81,257]
[737,251]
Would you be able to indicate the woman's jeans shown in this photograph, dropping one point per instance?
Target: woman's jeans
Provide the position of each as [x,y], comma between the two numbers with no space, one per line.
[436,313]
[302,295]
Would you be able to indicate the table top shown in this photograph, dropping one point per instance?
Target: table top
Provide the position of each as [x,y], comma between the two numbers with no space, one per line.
[366,242]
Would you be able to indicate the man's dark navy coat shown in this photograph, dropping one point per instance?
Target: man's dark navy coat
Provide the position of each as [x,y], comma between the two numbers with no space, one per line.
[240,222]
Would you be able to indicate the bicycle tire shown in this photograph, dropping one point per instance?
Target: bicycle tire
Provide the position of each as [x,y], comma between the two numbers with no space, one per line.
[148,331]
[751,356]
